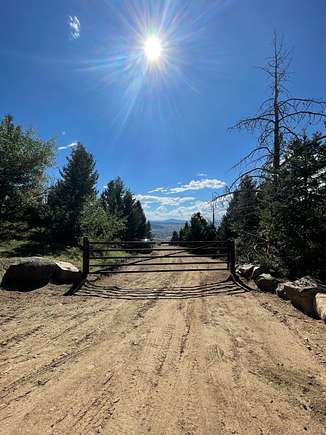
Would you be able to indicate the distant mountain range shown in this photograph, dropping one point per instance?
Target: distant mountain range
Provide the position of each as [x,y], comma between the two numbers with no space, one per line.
[163,230]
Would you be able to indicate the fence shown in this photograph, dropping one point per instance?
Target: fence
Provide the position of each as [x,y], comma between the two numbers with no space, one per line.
[150,256]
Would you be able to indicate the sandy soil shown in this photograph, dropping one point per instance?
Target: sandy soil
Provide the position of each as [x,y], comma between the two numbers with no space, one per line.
[161,354]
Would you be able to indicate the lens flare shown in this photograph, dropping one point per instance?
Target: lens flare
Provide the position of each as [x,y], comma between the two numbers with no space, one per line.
[160,45]
[153,49]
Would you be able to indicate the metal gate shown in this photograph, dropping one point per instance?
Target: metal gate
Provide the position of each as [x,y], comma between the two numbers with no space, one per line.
[114,257]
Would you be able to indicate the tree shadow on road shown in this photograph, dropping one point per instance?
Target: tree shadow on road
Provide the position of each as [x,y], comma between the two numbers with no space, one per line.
[92,289]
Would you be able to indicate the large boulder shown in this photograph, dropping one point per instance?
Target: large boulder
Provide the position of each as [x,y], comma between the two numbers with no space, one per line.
[65,273]
[28,274]
[245,270]
[267,283]
[281,292]
[256,271]
[302,293]
[320,305]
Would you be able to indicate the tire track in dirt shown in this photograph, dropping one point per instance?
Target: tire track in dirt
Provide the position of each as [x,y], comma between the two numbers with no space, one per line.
[162,365]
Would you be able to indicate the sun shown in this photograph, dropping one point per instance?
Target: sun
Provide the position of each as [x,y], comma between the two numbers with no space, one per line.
[153,49]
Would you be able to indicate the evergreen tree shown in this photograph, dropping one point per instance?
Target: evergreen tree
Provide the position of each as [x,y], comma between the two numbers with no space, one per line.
[149,234]
[293,217]
[175,237]
[198,229]
[23,161]
[245,219]
[138,222]
[241,221]
[184,233]
[121,203]
[67,197]
[115,199]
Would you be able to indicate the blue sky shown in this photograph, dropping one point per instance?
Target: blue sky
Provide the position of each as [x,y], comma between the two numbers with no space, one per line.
[75,70]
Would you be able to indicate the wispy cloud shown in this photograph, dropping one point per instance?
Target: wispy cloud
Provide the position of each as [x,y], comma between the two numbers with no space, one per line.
[186,211]
[71,145]
[207,183]
[74,25]
[159,189]
[201,174]
[164,200]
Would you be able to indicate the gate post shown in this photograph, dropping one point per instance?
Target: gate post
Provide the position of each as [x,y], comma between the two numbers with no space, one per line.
[232,256]
[85,257]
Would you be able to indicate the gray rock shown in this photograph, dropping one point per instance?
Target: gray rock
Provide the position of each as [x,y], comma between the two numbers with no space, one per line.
[245,270]
[281,292]
[320,306]
[302,293]
[257,270]
[65,273]
[267,283]
[28,274]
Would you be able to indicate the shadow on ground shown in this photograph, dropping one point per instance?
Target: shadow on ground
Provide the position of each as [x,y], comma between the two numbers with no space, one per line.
[93,289]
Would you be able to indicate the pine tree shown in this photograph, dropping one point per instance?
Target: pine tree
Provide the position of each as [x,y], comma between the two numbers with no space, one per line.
[246,220]
[138,222]
[67,197]
[241,221]
[198,229]
[149,234]
[114,198]
[293,217]
[121,203]
[23,161]
[175,237]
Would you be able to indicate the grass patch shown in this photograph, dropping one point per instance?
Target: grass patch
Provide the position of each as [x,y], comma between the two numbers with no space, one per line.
[12,249]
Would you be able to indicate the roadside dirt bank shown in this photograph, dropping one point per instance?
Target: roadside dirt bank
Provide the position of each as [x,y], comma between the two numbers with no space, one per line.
[172,353]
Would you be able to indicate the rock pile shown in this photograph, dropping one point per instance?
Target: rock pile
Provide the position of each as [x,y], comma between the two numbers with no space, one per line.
[307,294]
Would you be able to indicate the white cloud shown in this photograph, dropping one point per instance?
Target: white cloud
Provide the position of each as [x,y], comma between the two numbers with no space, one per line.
[159,189]
[68,146]
[201,174]
[74,25]
[164,200]
[207,183]
[186,211]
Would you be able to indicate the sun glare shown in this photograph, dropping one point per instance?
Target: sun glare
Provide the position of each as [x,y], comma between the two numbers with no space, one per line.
[153,49]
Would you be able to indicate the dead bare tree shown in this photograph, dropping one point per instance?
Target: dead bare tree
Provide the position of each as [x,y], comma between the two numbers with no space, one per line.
[280,118]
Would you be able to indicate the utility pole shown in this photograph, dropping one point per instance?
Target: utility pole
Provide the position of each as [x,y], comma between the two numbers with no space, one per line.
[213,208]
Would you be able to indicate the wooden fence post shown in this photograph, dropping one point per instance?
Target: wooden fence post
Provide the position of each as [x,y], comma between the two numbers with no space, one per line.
[85,257]
[232,256]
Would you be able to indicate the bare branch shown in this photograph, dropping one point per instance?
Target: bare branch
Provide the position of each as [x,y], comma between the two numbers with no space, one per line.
[286,128]
[302,100]
[262,169]
[305,113]
[248,156]
[252,122]
[224,195]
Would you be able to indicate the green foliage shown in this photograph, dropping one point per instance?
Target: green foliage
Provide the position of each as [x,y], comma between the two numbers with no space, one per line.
[242,219]
[149,234]
[67,197]
[23,162]
[293,215]
[175,237]
[115,199]
[96,224]
[120,202]
[198,229]
[283,226]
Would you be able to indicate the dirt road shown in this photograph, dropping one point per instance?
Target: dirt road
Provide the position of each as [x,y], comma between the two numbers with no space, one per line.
[159,354]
